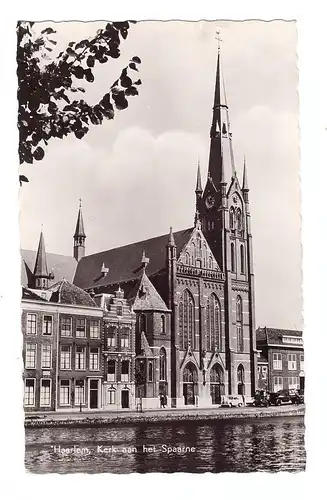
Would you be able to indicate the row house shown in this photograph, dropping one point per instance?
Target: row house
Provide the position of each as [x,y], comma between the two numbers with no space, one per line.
[280,359]
[118,351]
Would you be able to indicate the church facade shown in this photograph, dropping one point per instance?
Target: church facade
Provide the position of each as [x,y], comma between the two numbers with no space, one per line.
[204,275]
[186,298]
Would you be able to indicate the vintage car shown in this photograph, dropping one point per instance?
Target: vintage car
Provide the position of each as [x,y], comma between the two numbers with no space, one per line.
[232,401]
[280,397]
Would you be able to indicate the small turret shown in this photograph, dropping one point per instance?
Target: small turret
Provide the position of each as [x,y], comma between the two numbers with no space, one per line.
[79,235]
[41,274]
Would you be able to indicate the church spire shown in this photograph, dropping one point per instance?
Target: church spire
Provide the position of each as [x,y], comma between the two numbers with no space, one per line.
[79,235]
[221,159]
[245,186]
[41,274]
[198,188]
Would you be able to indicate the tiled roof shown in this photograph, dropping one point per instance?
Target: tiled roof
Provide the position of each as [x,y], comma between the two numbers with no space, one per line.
[62,265]
[124,263]
[64,292]
[145,297]
[30,295]
[145,348]
[267,335]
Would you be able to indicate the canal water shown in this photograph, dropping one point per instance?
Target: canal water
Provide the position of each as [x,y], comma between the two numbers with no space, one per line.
[270,445]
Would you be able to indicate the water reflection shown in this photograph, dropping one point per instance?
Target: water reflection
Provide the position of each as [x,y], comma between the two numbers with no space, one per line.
[237,446]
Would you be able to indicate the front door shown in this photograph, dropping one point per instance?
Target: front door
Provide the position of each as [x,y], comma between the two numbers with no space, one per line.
[125,399]
[94,397]
[215,394]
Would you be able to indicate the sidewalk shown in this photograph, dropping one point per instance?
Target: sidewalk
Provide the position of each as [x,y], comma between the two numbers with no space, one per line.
[49,419]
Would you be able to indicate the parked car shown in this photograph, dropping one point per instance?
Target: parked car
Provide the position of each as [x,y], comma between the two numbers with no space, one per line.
[261,398]
[280,397]
[232,401]
[297,398]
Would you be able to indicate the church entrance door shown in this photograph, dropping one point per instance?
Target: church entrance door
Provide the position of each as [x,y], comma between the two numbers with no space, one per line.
[217,386]
[190,384]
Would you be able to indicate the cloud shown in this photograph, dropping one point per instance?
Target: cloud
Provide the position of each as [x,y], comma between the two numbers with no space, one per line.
[136,173]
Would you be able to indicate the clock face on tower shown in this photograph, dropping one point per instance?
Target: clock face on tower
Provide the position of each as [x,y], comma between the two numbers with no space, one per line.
[210,201]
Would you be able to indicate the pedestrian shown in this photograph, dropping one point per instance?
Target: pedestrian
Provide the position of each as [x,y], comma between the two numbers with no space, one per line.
[165,400]
[161,400]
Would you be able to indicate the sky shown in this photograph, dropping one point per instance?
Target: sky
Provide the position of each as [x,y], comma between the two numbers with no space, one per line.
[136,174]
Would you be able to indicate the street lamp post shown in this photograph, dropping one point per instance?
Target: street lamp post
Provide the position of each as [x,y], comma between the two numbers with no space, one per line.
[81,385]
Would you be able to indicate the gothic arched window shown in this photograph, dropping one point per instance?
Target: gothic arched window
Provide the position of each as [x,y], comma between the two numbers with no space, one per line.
[198,246]
[186,320]
[242,259]
[143,323]
[162,364]
[231,218]
[240,380]
[163,324]
[239,324]
[192,254]
[150,371]
[210,262]
[187,259]
[213,323]
[204,255]
[239,224]
[232,257]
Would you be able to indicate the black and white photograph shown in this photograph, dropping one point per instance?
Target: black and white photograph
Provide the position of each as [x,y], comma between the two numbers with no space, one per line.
[161,258]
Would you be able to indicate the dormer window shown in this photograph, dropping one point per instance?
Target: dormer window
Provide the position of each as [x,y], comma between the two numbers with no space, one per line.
[119,309]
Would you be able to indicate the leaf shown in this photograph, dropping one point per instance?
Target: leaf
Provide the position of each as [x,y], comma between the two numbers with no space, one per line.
[138,82]
[53,42]
[22,179]
[78,71]
[47,31]
[136,59]
[89,75]
[131,91]
[38,153]
[133,66]
[90,61]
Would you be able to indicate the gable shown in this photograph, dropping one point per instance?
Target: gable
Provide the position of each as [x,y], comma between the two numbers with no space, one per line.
[197,253]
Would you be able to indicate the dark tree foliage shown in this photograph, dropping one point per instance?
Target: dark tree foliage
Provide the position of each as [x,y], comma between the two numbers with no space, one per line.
[46,107]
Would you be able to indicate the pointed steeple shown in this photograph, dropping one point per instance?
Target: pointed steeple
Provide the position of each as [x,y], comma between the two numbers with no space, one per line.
[245,186]
[41,274]
[79,231]
[221,159]
[171,239]
[198,188]
[79,235]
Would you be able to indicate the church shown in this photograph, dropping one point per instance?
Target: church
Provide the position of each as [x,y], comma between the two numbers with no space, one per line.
[188,294]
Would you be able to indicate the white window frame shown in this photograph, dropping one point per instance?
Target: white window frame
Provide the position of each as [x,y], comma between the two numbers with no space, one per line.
[43,365]
[50,392]
[111,341]
[94,328]
[111,377]
[43,325]
[124,341]
[78,332]
[264,372]
[277,361]
[62,334]
[69,392]
[293,383]
[27,322]
[70,357]
[302,362]
[78,391]
[124,377]
[34,391]
[278,384]
[91,360]
[292,362]
[111,400]
[77,355]
[29,367]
